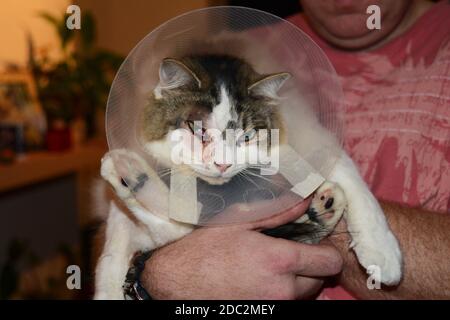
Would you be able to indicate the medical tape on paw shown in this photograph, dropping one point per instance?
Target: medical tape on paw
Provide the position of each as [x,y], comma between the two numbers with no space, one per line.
[300,174]
[148,183]
[183,204]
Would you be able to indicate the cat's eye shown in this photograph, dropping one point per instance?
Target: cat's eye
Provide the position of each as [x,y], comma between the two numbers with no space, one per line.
[196,130]
[247,136]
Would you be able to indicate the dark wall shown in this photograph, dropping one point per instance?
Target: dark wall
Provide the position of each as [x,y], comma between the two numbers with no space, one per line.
[44,216]
[281,8]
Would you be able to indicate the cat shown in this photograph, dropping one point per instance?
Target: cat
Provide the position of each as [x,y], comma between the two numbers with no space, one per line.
[225,92]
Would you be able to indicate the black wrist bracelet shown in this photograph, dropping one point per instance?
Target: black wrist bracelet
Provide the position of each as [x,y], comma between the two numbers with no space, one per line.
[132,288]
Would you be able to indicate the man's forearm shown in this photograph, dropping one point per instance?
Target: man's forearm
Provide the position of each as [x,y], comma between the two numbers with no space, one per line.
[425,242]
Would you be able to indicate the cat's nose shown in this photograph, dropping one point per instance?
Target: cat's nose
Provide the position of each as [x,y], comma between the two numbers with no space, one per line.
[222,167]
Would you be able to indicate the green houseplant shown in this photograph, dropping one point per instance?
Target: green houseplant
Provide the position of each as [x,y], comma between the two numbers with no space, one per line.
[76,86]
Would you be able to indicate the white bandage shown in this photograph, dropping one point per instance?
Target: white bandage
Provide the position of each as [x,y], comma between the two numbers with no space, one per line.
[303,177]
[183,205]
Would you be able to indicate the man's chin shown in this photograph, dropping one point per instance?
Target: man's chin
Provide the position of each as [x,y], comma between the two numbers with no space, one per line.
[365,41]
[350,32]
[350,37]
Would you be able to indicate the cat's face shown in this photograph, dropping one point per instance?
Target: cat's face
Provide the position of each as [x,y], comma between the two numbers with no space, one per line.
[215,114]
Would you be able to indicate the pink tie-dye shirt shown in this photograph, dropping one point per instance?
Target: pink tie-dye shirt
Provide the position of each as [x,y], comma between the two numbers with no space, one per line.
[398,113]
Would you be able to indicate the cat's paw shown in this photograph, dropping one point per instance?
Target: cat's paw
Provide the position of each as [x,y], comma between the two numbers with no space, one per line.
[327,206]
[326,209]
[375,246]
[103,295]
[125,170]
[380,255]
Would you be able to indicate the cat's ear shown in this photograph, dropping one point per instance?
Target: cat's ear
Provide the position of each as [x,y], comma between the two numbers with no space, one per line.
[269,85]
[174,74]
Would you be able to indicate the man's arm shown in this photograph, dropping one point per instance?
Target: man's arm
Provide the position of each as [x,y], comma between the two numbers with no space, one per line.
[425,242]
[238,262]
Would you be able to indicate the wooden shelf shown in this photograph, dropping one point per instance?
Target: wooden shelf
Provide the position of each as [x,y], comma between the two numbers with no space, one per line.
[36,167]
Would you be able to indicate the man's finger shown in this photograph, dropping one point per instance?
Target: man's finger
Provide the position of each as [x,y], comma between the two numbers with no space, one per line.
[306,287]
[315,260]
[284,217]
[235,213]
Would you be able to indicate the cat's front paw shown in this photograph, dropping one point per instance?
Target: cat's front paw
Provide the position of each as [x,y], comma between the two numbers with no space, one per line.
[380,255]
[126,171]
[327,207]
[376,247]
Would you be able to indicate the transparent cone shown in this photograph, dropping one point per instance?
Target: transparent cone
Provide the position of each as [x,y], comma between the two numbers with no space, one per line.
[310,105]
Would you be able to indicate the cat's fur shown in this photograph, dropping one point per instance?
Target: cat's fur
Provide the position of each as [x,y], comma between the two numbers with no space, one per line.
[225,92]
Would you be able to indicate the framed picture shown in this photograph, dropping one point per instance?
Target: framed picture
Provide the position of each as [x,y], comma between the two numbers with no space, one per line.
[20,112]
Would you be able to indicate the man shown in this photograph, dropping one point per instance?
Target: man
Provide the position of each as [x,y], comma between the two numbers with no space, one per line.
[397,86]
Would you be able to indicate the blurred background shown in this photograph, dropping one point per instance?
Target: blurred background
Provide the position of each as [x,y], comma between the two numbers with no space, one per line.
[54,84]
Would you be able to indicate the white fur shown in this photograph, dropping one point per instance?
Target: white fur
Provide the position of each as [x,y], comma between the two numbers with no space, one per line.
[223,112]
[123,236]
[123,239]
[372,240]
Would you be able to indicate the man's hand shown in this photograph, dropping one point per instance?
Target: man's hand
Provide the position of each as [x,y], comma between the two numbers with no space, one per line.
[424,241]
[238,262]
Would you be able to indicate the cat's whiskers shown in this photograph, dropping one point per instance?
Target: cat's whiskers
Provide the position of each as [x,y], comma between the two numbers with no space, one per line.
[249,179]
[264,178]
